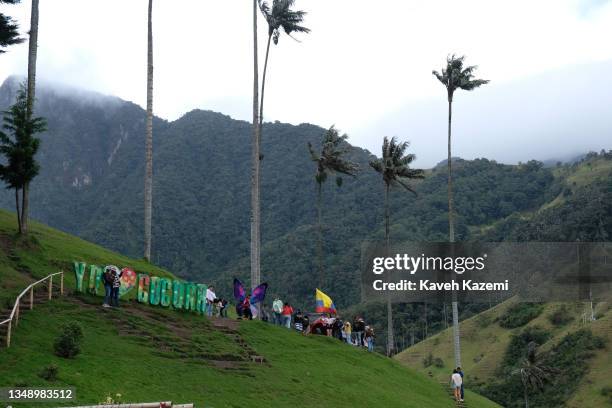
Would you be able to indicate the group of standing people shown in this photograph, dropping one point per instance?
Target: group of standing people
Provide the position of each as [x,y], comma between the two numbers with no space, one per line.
[358,334]
[282,313]
[215,306]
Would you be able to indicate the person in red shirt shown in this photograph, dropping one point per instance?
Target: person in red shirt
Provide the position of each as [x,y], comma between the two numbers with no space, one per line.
[286,315]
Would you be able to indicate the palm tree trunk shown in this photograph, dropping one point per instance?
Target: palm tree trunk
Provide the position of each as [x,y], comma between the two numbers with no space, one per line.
[526,397]
[255,158]
[25,204]
[451,233]
[263,82]
[320,235]
[33,46]
[451,224]
[255,195]
[148,185]
[389,308]
[18,209]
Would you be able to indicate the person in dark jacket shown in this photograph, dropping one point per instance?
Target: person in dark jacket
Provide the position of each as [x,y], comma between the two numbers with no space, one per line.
[358,330]
[298,321]
[116,286]
[107,279]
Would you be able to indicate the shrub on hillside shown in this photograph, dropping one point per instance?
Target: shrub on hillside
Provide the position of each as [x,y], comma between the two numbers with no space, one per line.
[428,361]
[520,314]
[68,343]
[438,362]
[431,360]
[49,372]
[568,358]
[517,347]
[560,317]
[607,392]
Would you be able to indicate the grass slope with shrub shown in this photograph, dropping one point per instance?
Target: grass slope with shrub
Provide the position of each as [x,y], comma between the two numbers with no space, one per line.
[143,353]
[579,350]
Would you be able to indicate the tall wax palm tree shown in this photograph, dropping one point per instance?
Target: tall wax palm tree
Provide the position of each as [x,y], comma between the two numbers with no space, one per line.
[31,87]
[394,166]
[329,161]
[279,17]
[255,162]
[148,182]
[455,76]
[533,372]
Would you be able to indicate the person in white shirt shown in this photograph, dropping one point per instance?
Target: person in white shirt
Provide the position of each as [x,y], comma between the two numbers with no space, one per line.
[210,299]
[456,382]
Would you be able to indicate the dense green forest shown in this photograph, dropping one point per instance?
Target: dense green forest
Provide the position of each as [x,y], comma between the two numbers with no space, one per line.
[91,185]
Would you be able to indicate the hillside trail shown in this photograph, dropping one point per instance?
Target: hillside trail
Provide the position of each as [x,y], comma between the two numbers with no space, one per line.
[449,390]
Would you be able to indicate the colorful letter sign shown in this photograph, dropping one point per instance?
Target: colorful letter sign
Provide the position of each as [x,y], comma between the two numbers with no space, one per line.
[157,291]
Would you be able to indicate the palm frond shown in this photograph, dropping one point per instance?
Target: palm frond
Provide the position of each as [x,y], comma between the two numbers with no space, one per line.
[456,76]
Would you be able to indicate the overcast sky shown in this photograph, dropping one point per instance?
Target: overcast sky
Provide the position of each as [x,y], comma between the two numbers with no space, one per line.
[366,65]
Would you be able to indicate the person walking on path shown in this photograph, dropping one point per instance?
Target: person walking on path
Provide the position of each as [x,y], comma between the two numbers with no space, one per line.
[210,300]
[277,309]
[456,382]
[460,371]
[287,313]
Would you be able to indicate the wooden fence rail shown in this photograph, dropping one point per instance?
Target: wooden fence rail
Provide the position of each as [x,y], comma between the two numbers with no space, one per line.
[13,320]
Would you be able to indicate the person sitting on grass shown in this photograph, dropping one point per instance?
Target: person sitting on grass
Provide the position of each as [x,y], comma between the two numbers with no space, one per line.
[306,324]
[243,310]
[456,382]
[298,321]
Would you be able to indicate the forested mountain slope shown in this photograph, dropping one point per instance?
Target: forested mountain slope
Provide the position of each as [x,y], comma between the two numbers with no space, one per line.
[91,185]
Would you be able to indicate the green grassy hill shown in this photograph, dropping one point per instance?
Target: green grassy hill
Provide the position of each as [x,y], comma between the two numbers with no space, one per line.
[146,353]
[581,211]
[485,343]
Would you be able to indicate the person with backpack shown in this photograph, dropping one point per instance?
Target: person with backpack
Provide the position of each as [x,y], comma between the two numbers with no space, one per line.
[116,286]
[107,279]
[286,315]
[277,309]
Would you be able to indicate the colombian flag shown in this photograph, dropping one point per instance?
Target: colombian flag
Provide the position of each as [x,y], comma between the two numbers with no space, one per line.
[324,303]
